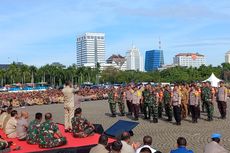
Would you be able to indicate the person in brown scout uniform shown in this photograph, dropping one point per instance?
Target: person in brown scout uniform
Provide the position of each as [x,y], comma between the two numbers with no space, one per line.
[184,101]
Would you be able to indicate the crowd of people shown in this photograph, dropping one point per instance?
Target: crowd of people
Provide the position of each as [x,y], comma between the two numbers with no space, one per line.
[124,145]
[179,101]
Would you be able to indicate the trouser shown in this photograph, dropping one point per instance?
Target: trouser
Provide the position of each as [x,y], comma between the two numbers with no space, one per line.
[121,107]
[141,109]
[69,113]
[222,106]
[54,143]
[168,111]
[194,112]
[160,110]
[198,110]
[129,105]
[177,113]
[210,109]
[146,110]
[112,107]
[136,109]
[184,109]
[154,111]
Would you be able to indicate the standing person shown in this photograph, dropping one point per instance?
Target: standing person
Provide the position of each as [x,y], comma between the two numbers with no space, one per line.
[167,102]
[68,92]
[154,97]
[193,103]
[48,132]
[202,92]
[116,147]
[112,104]
[207,100]
[181,144]
[33,129]
[120,101]
[129,96]
[214,146]
[136,103]
[146,100]
[22,126]
[176,103]
[184,101]
[222,96]
[160,102]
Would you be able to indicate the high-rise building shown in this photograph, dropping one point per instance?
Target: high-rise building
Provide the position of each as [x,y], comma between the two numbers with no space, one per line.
[153,59]
[90,49]
[227,57]
[134,59]
[189,59]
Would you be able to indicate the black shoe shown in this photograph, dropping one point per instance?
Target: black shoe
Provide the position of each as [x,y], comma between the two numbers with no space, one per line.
[178,123]
[155,120]
[136,119]
[169,119]
[122,114]
[113,115]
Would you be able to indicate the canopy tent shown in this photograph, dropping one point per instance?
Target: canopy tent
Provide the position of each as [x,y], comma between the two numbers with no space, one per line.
[214,80]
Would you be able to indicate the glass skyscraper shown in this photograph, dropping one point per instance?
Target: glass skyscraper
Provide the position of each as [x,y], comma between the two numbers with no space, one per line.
[153,60]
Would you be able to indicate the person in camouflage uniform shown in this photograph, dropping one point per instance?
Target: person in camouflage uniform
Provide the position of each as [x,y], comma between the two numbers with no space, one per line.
[33,129]
[112,104]
[81,126]
[47,133]
[207,100]
[167,102]
[120,101]
[154,97]
[146,100]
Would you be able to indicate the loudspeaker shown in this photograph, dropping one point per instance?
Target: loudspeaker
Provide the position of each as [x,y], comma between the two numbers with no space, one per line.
[98,128]
[119,127]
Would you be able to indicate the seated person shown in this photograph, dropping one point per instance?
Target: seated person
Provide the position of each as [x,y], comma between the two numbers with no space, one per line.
[2,117]
[102,144]
[147,142]
[22,126]
[81,128]
[11,125]
[7,117]
[181,144]
[33,129]
[116,147]
[3,144]
[47,133]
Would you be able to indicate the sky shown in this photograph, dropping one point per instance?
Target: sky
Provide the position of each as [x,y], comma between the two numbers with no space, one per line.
[39,32]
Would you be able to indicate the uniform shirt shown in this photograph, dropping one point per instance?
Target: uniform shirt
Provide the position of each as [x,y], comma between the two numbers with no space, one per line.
[2,118]
[136,98]
[176,99]
[79,124]
[126,148]
[222,94]
[129,95]
[47,132]
[33,132]
[21,128]
[11,127]
[181,150]
[214,147]
[68,96]
[193,98]
[99,149]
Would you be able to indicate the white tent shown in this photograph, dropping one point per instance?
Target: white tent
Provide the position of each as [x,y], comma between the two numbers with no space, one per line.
[214,80]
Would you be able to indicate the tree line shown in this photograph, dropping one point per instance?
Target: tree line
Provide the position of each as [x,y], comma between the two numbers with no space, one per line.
[56,75]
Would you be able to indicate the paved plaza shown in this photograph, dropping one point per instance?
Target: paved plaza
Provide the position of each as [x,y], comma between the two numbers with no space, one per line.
[164,133]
